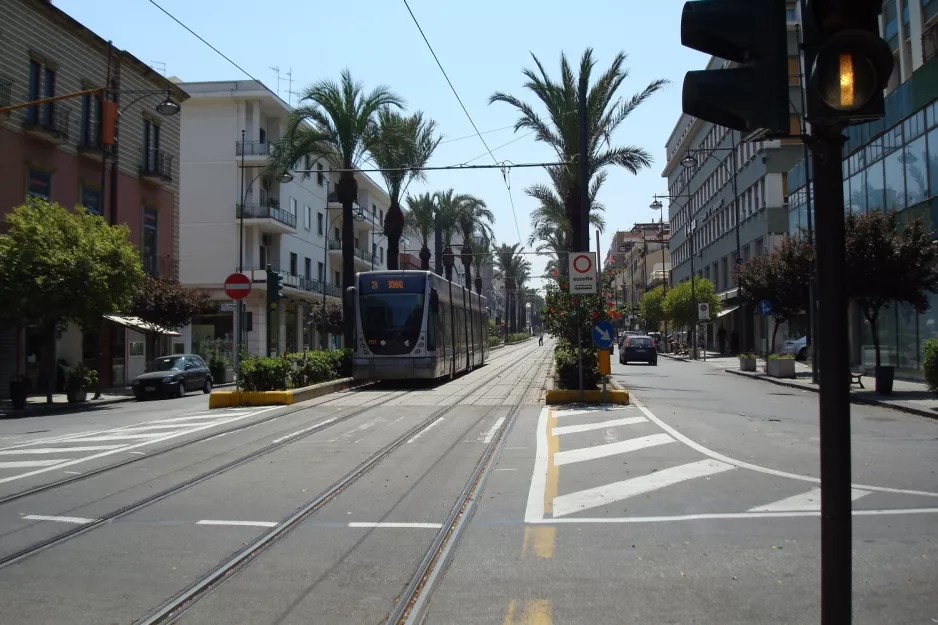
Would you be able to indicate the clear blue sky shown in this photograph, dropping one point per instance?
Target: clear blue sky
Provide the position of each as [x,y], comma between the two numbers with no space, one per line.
[483,45]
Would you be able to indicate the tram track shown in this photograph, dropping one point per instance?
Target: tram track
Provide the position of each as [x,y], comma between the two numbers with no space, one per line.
[101,520]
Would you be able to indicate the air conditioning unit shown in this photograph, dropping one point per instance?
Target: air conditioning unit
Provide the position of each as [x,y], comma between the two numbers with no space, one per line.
[266,239]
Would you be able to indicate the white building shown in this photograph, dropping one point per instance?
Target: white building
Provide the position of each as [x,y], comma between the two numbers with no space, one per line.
[287,225]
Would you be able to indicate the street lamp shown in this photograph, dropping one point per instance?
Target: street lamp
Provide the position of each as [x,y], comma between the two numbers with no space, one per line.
[689,233]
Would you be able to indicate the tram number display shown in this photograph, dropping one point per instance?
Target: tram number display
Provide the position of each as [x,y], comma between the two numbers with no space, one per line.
[396,284]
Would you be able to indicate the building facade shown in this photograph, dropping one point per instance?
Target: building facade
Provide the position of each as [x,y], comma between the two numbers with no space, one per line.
[53,151]
[892,164]
[236,216]
[641,261]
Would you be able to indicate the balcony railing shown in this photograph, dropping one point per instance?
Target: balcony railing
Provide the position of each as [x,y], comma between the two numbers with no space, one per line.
[253,148]
[50,118]
[264,211]
[156,164]
[335,244]
[295,281]
[161,266]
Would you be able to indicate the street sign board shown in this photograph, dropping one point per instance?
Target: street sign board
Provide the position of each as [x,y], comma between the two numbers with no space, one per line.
[582,273]
[229,307]
[765,308]
[603,334]
[237,286]
[703,312]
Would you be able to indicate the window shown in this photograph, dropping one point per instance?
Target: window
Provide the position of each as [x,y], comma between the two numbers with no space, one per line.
[374,249]
[308,217]
[374,210]
[933,163]
[320,178]
[916,182]
[149,248]
[381,216]
[48,92]
[895,182]
[307,165]
[151,145]
[338,278]
[293,263]
[307,267]
[338,234]
[90,120]
[320,272]
[262,256]
[293,206]
[91,199]
[319,219]
[39,184]
[35,81]
[381,254]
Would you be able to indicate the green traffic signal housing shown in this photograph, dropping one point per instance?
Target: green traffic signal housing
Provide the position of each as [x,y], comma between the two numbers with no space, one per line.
[752,98]
[274,286]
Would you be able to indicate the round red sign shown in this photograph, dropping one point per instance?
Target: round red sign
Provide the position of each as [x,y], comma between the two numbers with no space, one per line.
[582,264]
[237,286]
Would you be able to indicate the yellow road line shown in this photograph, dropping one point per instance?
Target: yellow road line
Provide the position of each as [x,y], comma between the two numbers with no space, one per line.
[553,472]
[539,541]
[535,612]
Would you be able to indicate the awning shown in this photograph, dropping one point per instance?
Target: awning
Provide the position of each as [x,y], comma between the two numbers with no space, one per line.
[727,311]
[135,323]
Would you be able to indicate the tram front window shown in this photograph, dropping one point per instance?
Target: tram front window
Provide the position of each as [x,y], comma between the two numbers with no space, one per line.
[391,321]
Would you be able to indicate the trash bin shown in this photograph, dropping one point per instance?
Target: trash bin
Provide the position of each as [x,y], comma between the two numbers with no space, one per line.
[18,390]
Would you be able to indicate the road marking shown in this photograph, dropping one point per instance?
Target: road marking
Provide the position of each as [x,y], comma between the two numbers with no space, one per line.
[754,467]
[588,411]
[239,523]
[734,516]
[421,432]
[138,453]
[25,464]
[121,437]
[506,469]
[810,500]
[535,612]
[59,519]
[56,450]
[617,491]
[298,432]
[492,432]
[534,511]
[601,451]
[539,541]
[73,472]
[573,429]
[430,526]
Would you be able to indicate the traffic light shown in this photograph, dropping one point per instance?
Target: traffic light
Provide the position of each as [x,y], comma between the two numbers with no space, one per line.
[752,98]
[847,63]
[274,286]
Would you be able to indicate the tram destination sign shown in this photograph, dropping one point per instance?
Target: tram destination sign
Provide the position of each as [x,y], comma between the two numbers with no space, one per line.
[393,284]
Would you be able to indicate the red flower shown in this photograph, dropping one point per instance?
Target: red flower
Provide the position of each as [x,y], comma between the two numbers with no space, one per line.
[612,305]
[576,302]
[595,315]
[551,310]
[555,272]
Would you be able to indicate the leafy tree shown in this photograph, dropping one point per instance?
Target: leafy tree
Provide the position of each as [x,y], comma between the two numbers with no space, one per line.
[473,218]
[679,305]
[651,307]
[58,265]
[327,320]
[167,305]
[421,212]
[887,265]
[780,277]
[510,266]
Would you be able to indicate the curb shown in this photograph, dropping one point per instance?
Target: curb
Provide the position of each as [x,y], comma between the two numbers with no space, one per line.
[227,399]
[854,399]
[42,410]
[558,396]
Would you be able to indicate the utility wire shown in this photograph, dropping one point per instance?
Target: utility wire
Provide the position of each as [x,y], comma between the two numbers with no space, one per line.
[484,132]
[501,146]
[466,111]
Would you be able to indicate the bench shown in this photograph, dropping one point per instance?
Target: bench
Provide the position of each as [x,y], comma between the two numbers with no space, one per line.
[856,378]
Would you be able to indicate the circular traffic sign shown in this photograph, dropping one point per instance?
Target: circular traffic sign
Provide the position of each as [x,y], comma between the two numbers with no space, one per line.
[237,286]
[580,261]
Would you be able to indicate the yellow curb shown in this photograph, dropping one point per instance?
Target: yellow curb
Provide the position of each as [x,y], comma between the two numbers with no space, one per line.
[227,399]
[558,396]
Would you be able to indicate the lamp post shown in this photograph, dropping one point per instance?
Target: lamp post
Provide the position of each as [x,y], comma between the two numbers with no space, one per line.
[689,232]
[657,205]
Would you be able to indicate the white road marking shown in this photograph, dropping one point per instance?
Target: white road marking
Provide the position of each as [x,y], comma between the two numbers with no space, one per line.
[56,450]
[24,464]
[754,467]
[138,453]
[611,449]
[59,519]
[534,511]
[491,433]
[72,472]
[617,491]
[573,429]
[298,432]
[121,437]
[810,500]
[433,526]
[506,469]
[421,432]
[733,516]
[588,411]
[239,523]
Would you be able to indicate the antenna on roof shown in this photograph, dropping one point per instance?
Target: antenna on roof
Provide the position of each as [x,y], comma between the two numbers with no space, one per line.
[290,93]
[276,69]
[159,66]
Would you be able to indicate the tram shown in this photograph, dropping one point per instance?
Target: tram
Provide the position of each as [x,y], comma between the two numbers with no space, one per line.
[416,324]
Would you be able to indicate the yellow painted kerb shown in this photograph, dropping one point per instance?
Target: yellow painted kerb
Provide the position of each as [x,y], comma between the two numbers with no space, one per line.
[227,399]
[558,396]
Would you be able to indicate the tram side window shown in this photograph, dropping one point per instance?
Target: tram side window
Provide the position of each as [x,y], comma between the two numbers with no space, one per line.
[432,320]
[447,335]
[461,328]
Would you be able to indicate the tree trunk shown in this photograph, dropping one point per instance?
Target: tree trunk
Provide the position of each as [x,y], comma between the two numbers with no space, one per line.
[51,365]
[774,331]
[347,192]
[448,262]
[874,331]
[437,246]
[394,229]
[478,284]
[465,254]
[424,258]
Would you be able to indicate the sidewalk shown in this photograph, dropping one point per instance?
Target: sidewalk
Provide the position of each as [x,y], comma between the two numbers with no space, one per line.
[911,397]
[36,404]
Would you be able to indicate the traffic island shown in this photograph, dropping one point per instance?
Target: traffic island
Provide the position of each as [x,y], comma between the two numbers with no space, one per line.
[229,399]
[615,394]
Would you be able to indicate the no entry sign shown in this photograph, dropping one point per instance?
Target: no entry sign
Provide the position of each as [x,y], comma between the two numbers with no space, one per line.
[237,286]
[583,273]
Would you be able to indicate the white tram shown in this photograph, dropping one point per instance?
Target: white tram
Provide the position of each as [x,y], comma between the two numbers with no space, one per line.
[416,324]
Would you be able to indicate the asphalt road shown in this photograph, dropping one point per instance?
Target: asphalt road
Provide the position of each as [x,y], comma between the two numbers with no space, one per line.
[696,504]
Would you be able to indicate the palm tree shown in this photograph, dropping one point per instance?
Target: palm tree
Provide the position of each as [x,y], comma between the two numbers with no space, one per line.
[481,257]
[524,274]
[448,206]
[551,210]
[554,243]
[509,266]
[336,121]
[560,130]
[401,146]
[421,216]
[474,218]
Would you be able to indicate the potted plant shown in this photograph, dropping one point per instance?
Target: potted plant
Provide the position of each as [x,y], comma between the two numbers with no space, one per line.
[781,366]
[79,380]
[747,362]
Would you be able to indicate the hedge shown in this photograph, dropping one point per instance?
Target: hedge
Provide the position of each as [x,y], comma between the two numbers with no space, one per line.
[295,370]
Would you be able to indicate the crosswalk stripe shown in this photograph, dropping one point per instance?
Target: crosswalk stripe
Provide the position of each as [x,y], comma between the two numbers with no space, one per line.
[588,411]
[810,500]
[572,429]
[121,437]
[611,449]
[56,450]
[25,464]
[617,491]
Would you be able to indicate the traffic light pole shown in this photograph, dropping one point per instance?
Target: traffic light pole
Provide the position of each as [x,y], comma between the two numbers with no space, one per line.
[834,396]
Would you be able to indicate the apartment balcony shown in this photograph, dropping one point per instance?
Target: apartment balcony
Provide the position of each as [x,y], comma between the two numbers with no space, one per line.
[253,153]
[49,122]
[161,266]
[269,217]
[367,221]
[303,285]
[363,260]
[156,165]
[89,144]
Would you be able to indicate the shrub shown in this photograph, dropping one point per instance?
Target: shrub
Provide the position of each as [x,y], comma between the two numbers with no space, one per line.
[494,341]
[217,367]
[781,357]
[265,374]
[747,356]
[930,364]
[517,337]
[566,367]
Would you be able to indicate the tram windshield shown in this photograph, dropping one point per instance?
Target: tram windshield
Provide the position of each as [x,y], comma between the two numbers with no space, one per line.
[391,320]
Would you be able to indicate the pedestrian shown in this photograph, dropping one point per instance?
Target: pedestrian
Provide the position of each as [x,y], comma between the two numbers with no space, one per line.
[721,337]
[540,341]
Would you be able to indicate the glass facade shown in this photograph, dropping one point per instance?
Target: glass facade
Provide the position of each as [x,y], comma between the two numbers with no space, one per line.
[896,169]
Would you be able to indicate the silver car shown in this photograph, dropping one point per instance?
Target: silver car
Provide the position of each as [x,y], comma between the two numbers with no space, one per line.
[795,347]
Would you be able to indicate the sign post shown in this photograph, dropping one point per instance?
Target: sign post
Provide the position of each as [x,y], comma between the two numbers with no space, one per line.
[237,287]
[603,336]
[582,282]
[765,309]
[703,314]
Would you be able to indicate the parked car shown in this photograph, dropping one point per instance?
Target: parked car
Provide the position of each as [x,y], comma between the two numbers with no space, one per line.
[641,348]
[173,376]
[795,347]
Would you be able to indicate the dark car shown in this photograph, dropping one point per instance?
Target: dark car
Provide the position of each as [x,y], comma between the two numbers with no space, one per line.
[640,348]
[624,335]
[173,376]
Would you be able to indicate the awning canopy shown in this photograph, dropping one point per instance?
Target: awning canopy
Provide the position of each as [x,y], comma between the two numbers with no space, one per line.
[727,311]
[135,323]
